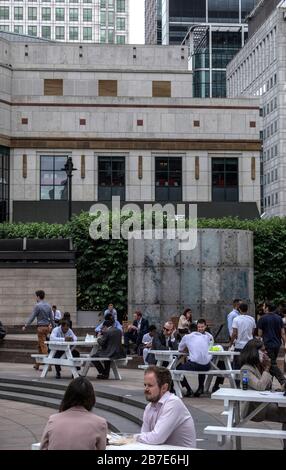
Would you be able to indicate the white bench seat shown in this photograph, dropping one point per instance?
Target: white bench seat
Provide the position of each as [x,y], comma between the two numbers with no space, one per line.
[245,432]
[178,376]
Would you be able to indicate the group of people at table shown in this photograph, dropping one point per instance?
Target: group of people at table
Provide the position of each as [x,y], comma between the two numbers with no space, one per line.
[166,419]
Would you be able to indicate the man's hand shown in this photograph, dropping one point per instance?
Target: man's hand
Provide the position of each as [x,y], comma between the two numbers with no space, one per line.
[68,338]
[23,328]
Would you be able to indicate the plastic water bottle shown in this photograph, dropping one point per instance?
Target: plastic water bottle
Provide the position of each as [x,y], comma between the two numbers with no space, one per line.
[245,380]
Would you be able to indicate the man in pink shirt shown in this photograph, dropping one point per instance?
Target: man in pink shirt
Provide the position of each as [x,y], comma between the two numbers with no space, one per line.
[166,419]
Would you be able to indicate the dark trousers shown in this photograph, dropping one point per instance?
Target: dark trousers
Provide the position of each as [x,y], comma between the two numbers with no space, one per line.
[102,367]
[236,365]
[220,380]
[130,336]
[59,354]
[274,369]
[194,366]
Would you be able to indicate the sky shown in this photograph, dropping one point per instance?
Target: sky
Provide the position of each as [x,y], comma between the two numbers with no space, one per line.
[136,21]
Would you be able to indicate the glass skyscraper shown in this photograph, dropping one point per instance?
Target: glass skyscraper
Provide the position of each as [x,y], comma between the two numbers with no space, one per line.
[215,31]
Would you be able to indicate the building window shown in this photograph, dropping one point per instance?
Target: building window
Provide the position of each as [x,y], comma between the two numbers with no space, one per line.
[46,14]
[46,32]
[4,13]
[120,39]
[110,4]
[111,18]
[120,24]
[18,28]
[60,14]
[53,178]
[60,32]
[32,30]
[87,34]
[111,36]
[87,14]
[103,35]
[168,178]
[225,179]
[53,86]
[18,13]
[102,3]
[73,14]
[111,178]
[161,89]
[107,87]
[103,18]
[32,13]
[120,6]
[4,27]
[73,33]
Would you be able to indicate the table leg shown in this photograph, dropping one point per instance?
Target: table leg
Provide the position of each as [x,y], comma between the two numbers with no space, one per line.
[115,371]
[209,377]
[46,366]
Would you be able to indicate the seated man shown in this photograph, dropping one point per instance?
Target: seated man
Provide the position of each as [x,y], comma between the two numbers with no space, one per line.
[197,344]
[167,339]
[136,331]
[112,310]
[166,419]
[109,340]
[63,333]
[147,341]
[108,316]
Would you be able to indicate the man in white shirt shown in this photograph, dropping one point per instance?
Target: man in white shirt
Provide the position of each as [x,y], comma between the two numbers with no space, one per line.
[166,419]
[57,314]
[197,344]
[110,309]
[63,333]
[234,313]
[243,327]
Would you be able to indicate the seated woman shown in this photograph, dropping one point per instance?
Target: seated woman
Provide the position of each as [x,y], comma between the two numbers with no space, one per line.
[185,322]
[76,427]
[255,361]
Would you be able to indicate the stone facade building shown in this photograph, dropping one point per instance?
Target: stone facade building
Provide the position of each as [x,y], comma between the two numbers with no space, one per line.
[126,116]
[258,70]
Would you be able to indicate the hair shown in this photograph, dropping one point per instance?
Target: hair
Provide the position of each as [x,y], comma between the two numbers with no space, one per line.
[243,307]
[186,311]
[138,312]
[271,307]
[249,354]
[235,301]
[110,303]
[67,315]
[40,294]
[107,323]
[163,375]
[109,318]
[79,393]
[152,328]
[202,320]
[65,321]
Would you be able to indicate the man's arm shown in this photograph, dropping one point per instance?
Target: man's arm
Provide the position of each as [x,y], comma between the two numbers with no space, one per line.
[233,336]
[31,317]
[283,336]
[55,335]
[260,333]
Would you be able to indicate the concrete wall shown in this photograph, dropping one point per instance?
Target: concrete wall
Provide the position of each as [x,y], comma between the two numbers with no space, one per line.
[163,281]
[18,286]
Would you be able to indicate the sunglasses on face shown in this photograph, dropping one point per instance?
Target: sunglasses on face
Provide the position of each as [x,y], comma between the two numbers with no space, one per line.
[167,329]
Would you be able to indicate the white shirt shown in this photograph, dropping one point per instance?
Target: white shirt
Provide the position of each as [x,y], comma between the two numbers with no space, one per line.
[198,346]
[245,325]
[231,316]
[168,422]
[57,315]
[58,335]
[146,338]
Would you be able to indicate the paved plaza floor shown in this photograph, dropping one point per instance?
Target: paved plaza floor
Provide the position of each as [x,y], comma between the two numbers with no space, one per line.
[22,424]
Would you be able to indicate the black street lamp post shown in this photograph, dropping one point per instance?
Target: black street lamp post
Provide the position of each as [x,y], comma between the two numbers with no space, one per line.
[69,168]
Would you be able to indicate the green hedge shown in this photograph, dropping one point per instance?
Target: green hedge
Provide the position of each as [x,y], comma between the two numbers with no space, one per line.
[102,265]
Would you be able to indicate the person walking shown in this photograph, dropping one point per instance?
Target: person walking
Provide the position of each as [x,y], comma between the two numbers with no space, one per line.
[44,315]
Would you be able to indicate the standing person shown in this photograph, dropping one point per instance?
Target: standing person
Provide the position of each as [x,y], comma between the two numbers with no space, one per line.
[166,419]
[110,342]
[255,360]
[63,333]
[111,309]
[57,314]
[197,344]
[75,427]
[231,316]
[271,329]
[43,312]
[243,327]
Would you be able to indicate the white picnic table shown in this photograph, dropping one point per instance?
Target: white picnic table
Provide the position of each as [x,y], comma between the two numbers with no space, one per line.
[224,356]
[235,428]
[134,446]
[67,359]
[172,357]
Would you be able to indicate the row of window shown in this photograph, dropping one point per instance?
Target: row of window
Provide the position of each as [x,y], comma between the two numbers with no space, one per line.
[270,130]
[73,33]
[111,178]
[270,153]
[271,177]
[256,63]
[120,5]
[60,14]
[271,200]
[269,107]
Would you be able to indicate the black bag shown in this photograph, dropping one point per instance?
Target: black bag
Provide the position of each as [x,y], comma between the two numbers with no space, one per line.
[2,331]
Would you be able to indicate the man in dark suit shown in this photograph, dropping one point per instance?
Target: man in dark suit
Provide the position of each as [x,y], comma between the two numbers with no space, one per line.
[167,339]
[110,344]
[136,331]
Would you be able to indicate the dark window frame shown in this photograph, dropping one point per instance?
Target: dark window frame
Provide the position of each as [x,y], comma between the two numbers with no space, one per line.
[53,171]
[168,192]
[223,176]
[106,191]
